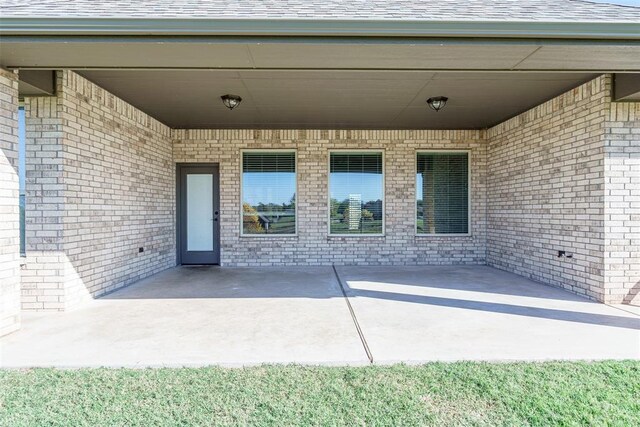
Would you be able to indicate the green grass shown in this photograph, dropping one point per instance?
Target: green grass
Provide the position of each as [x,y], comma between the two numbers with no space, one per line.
[366,227]
[438,394]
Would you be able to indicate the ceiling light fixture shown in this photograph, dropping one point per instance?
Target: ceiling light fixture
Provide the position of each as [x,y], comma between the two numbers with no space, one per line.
[437,102]
[231,101]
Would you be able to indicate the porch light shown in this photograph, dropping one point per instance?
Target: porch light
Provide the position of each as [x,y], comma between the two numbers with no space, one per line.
[231,101]
[437,103]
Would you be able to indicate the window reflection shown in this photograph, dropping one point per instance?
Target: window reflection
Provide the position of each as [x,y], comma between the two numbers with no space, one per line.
[356,191]
[268,193]
[21,176]
[442,193]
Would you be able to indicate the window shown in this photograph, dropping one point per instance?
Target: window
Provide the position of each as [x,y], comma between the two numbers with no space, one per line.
[21,176]
[356,187]
[442,193]
[268,192]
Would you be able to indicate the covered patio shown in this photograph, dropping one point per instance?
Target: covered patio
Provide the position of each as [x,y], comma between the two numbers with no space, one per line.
[192,183]
[195,316]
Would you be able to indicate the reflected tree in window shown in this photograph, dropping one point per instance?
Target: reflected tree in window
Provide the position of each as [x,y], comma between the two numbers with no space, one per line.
[268,193]
[356,187]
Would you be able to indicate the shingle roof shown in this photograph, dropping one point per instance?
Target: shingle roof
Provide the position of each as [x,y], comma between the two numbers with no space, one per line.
[427,10]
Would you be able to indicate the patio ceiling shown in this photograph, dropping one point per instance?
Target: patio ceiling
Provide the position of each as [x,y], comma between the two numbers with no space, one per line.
[332,98]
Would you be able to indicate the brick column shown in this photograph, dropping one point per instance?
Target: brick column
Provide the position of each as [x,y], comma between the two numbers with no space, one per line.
[622,203]
[43,278]
[9,205]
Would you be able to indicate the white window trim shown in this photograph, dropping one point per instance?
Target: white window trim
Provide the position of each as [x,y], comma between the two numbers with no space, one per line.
[415,194]
[267,150]
[384,195]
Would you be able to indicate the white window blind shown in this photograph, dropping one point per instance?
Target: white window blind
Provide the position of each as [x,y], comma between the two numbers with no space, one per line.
[357,194]
[269,192]
[442,192]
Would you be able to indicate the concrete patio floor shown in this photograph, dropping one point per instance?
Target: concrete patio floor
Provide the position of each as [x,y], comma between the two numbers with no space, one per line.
[194,316]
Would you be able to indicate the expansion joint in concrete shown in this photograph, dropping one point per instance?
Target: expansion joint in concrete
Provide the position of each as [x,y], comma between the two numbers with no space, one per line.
[353,316]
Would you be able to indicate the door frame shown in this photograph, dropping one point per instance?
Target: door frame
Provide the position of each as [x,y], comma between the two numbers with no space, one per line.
[178,206]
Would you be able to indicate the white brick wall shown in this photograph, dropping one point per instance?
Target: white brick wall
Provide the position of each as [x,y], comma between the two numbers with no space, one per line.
[622,203]
[546,188]
[43,281]
[312,246]
[565,175]
[100,184]
[9,205]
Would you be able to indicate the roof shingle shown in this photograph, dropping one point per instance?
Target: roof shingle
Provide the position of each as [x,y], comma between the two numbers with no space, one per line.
[419,10]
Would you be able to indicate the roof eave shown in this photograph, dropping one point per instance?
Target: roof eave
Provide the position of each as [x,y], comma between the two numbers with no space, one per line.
[318,28]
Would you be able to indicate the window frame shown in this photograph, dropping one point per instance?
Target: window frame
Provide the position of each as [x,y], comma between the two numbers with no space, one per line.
[384,193]
[469,232]
[22,227]
[267,150]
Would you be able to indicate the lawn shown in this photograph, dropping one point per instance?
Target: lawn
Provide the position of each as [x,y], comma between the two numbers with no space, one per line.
[366,227]
[438,394]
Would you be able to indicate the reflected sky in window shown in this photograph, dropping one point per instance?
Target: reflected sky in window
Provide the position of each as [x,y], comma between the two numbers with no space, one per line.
[268,187]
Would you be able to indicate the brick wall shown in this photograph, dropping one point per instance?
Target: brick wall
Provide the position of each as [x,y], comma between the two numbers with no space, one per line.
[546,191]
[9,205]
[622,203]
[100,184]
[312,246]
